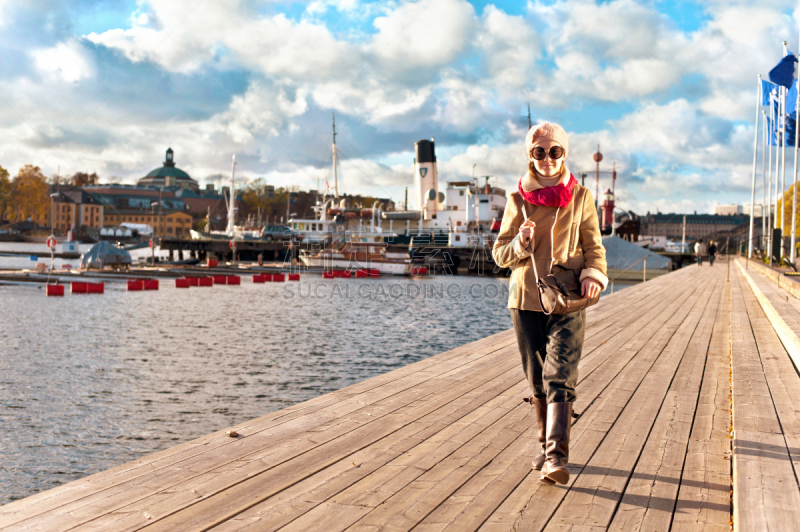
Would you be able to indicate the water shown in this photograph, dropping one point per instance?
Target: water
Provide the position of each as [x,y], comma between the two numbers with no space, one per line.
[88,382]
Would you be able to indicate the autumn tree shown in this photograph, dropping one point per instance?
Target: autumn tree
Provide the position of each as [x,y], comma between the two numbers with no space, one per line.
[80,179]
[5,193]
[29,195]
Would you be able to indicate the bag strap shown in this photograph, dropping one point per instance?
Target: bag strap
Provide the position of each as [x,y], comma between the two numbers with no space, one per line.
[533,261]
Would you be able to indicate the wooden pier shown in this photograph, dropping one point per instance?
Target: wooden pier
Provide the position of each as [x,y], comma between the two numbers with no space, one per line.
[689,408]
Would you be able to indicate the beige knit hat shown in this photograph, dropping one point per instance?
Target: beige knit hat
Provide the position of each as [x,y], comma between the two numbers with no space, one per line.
[546,131]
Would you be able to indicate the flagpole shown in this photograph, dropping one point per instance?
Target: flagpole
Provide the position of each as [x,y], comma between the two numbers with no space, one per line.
[783,93]
[764,147]
[793,252]
[753,185]
[770,215]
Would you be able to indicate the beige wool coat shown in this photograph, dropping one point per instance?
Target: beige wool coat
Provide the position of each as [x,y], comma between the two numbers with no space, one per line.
[568,237]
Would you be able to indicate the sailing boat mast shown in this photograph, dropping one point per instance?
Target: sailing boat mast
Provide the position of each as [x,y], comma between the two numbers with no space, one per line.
[232,198]
[335,160]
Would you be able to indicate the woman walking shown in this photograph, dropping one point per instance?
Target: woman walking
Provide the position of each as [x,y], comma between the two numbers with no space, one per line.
[550,220]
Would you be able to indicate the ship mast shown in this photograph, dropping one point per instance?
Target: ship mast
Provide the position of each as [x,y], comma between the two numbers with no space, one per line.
[232,198]
[335,160]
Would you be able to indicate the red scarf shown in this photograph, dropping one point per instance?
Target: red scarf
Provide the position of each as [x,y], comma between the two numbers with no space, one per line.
[557,196]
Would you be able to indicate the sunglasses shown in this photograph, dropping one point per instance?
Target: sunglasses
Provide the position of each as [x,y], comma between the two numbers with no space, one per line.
[539,153]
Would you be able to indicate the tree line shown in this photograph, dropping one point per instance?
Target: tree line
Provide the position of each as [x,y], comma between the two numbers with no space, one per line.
[26,194]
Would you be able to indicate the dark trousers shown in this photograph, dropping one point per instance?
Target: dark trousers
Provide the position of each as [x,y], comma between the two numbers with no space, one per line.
[550,347]
[711,259]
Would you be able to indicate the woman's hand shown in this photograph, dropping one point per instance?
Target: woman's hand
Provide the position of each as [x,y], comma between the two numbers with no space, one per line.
[526,232]
[590,288]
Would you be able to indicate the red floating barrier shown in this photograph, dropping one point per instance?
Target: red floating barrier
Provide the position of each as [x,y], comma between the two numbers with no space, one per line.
[78,288]
[419,270]
[278,277]
[374,273]
[258,278]
[294,276]
[193,281]
[206,281]
[346,274]
[66,266]
[55,289]
[360,274]
[234,279]
[211,263]
[182,283]
[151,284]
[135,284]
[220,279]
[329,275]
[96,288]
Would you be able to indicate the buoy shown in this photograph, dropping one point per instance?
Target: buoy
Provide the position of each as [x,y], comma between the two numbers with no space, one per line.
[374,273]
[182,283]
[258,278]
[78,288]
[220,279]
[360,274]
[95,288]
[193,281]
[51,242]
[278,278]
[205,281]
[55,289]
[328,275]
[234,280]
[135,284]
[346,274]
[211,263]
[294,276]
[150,284]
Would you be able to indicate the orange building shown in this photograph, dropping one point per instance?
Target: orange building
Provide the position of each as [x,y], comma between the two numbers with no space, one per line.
[74,208]
[174,223]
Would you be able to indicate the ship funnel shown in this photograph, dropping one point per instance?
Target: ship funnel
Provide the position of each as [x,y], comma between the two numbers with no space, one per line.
[426,178]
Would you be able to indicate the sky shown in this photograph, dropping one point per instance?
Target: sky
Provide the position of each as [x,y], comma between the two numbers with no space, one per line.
[666,88]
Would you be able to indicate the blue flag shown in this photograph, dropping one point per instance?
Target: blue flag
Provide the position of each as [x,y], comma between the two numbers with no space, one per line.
[766,88]
[791,129]
[783,73]
[791,99]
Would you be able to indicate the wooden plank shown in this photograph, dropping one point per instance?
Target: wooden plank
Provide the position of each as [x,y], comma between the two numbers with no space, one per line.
[266,507]
[592,499]
[781,377]
[417,497]
[704,498]
[781,314]
[651,493]
[765,493]
[531,504]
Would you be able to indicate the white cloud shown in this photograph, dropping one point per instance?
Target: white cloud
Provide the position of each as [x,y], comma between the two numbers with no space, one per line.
[423,35]
[511,48]
[67,61]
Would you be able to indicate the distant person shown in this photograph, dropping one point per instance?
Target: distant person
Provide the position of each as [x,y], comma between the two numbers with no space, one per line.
[699,251]
[559,229]
[712,252]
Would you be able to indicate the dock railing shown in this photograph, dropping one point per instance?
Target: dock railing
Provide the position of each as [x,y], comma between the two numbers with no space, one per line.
[644,271]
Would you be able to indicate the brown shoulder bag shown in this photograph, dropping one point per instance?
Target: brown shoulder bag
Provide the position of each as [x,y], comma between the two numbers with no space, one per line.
[558,293]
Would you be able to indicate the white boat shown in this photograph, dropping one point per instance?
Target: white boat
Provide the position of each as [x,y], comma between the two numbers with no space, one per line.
[359,256]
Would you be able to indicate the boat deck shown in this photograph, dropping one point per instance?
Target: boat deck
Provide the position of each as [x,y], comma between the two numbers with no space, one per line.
[688,406]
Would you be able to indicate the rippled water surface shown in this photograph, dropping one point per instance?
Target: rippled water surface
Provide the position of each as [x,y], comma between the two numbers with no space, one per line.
[92,381]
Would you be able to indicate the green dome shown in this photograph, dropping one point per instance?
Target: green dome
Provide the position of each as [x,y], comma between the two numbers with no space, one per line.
[161,177]
[169,171]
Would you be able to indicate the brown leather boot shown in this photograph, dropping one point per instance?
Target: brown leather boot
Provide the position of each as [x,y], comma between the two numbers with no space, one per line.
[559,422]
[541,418]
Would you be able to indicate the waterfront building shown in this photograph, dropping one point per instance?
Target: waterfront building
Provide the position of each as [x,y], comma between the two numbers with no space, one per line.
[169,176]
[72,207]
[697,225]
